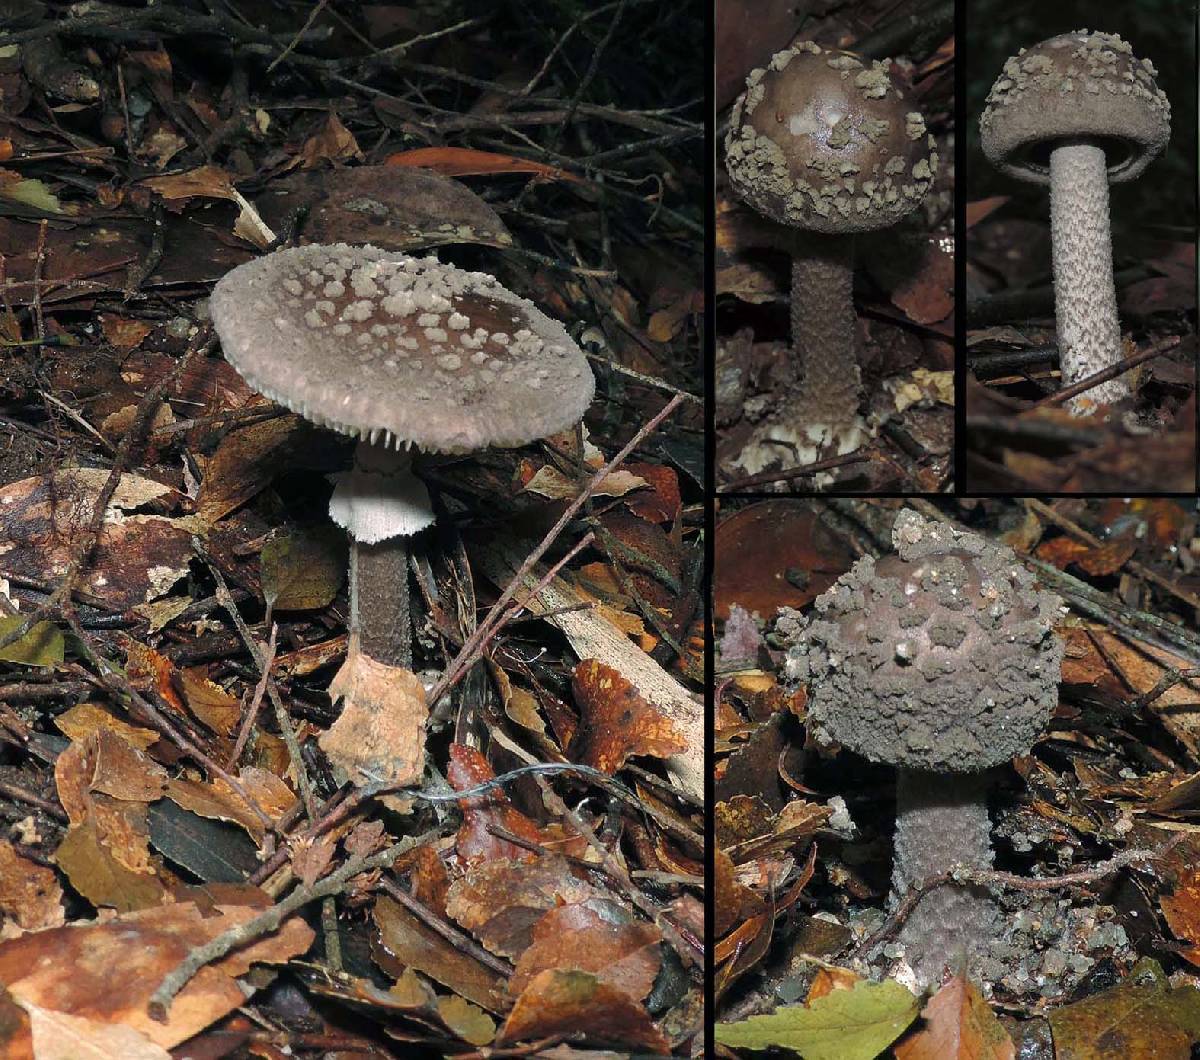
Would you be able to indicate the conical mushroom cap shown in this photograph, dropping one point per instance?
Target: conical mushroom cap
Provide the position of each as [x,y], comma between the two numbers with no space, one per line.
[941,658]
[1079,85]
[388,347]
[823,142]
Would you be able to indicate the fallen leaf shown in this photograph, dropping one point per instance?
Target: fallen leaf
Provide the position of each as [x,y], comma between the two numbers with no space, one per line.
[596,936]
[334,143]
[958,1025]
[552,483]
[115,966]
[856,1024]
[476,842]
[60,1036]
[467,1021]
[380,734]
[464,161]
[569,1002]
[409,943]
[29,893]
[500,902]
[1181,909]
[95,872]
[1142,1018]
[41,645]
[616,722]
[304,569]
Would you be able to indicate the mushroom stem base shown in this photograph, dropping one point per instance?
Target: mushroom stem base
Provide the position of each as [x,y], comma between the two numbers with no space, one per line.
[942,821]
[825,338]
[379,605]
[1085,300]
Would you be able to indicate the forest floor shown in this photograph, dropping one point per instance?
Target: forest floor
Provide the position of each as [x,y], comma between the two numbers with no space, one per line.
[173,603]
[1096,852]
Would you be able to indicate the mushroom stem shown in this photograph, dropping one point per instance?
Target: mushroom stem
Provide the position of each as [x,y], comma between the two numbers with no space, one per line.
[1089,334]
[942,821]
[825,340]
[379,608]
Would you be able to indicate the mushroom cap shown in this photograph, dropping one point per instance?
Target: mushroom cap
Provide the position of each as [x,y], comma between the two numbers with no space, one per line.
[1075,86]
[376,344]
[822,142]
[941,658]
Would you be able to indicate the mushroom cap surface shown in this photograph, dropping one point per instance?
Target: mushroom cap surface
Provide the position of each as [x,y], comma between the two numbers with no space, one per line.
[378,344]
[941,658]
[821,141]
[1076,86]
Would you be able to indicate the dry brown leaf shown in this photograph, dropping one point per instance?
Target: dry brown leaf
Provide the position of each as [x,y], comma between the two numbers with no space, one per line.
[29,893]
[85,718]
[596,936]
[117,965]
[96,873]
[407,943]
[61,1036]
[476,841]
[218,801]
[616,722]
[464,162]
[569,1002]
[501,901]
[552,483]
[380,734]
[958,1025]
[1181,909]
[334,143]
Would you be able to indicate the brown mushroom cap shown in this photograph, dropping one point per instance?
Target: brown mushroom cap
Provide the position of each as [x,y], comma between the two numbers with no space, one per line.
[1075,86]
[939,659]
[822,142]
[381,345]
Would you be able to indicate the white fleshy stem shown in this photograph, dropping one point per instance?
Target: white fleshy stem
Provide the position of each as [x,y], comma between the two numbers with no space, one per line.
[382,504]
[825,338]
[1085,299]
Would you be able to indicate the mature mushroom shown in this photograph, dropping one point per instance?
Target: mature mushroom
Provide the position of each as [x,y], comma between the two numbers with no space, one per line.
[942,662]
[1078,111]
[400,352]
[829,146]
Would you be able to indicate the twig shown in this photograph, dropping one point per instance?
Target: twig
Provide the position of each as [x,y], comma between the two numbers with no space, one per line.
[270,920]
[255,703]
[765,477]
[473,646]
[1064,395]
[283,720]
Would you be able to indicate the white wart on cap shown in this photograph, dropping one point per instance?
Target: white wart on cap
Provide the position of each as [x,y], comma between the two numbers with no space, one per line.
[396,349]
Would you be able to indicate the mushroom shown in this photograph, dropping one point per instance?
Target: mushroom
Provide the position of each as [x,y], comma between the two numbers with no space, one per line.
[402,353]
[942,662]
[826,145]
[1077,111]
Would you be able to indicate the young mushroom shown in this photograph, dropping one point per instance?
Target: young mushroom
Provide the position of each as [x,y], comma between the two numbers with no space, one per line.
[1078,111]
[403,353]
[942,662]
[828,146]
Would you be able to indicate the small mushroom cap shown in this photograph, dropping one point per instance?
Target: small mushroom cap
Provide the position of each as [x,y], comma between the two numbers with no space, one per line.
[1075,86]
[381,345]
[822,142]
[941,658]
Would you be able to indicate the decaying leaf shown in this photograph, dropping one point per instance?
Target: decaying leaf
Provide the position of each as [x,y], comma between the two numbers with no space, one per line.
[571,1002]
[380,734]
[616,722]
[137,557]
[500,902]
[597,936]
[30,894]
[303,570]
[476,840]
[115,966]
[958,1025]
[1142,1018]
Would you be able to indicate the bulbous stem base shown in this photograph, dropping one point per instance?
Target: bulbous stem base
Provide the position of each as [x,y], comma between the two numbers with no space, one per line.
[942,821]
[1085,299]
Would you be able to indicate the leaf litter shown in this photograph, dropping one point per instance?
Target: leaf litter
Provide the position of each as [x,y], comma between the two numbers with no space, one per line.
[1093,831]
[193,853]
